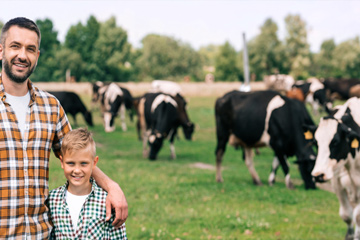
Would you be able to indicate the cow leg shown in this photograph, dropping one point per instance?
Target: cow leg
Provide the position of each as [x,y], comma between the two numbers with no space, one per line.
[341,186]
[220,150]
[249,155]
[138,130]
[219,156]
[222,135]
[173,134]
[274,167]
[285,167]
[122,117]
[356,219]
[172,151]
[146,135]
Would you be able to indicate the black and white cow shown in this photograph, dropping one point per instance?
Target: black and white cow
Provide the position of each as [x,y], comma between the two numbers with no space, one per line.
[315,94]
[341,88]
[113,100]
[279,82]
[159,116]
[73,105]
[165,86]
[265,118]
[338,160]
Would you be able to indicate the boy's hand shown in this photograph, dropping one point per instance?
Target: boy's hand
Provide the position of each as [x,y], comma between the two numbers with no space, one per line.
[116,200]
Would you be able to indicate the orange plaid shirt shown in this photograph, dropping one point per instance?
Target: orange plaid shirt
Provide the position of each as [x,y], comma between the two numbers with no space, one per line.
[24,164]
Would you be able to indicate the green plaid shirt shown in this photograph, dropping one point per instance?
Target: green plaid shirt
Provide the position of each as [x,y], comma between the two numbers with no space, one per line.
[91,223]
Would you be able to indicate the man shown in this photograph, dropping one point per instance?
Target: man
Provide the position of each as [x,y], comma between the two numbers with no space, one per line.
[31,123]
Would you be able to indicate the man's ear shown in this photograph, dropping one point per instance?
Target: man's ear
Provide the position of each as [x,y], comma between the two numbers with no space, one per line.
[1,51]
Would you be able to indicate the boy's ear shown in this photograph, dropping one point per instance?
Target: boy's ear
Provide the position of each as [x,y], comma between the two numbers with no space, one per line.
[61,161]
[96,159]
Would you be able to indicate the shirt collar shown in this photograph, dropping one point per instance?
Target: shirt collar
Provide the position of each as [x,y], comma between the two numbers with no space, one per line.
[33,90]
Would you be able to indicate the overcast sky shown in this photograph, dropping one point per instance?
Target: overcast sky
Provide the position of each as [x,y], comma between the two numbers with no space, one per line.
[198,23]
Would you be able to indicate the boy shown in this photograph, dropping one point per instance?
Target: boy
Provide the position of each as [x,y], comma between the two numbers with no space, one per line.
[77,209]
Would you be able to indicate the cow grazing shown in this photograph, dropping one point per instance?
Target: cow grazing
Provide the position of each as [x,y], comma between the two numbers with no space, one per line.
[159,116]
[265,118]
[342,88]
[338,160]
[73,105]
[312,92]
[113,100]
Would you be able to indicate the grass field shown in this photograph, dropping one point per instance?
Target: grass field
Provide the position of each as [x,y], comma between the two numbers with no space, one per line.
[173,199]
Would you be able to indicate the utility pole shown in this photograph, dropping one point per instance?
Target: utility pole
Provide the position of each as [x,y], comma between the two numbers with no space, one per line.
[245,87]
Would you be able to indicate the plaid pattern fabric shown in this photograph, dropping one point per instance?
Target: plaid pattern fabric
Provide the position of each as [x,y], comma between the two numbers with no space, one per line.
[91,223]
[24,164]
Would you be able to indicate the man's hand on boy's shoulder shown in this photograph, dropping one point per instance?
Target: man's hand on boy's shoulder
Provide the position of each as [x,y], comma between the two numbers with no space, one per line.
[119,204]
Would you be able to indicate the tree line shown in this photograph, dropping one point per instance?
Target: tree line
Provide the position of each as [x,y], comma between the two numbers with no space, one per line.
[100,51]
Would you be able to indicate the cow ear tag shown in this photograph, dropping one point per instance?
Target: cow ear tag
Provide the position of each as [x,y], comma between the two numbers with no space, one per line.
[355,143]
[308,135]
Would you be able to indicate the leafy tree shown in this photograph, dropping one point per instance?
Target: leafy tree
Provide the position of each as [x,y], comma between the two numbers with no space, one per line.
[67,59]
[266,52]
[297,48]
[166,58]
[48,46]
[347,58]
[208,54]
[112,51]
[323,64]
[82,38]
[226,64]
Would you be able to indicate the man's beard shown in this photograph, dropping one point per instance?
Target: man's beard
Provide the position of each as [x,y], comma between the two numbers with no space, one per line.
[11,75]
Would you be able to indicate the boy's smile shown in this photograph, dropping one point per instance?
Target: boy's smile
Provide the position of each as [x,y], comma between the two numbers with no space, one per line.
[78,168]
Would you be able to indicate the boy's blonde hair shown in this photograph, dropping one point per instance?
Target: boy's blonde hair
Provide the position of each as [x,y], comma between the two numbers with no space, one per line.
[77,139]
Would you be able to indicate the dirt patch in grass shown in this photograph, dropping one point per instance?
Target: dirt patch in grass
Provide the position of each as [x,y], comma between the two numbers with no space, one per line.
[205,166]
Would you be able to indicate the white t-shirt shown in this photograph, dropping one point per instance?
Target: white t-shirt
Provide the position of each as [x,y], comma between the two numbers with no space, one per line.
[75,204]
[20,106]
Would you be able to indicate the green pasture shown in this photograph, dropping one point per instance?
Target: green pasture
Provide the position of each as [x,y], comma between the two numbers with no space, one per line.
[175,200]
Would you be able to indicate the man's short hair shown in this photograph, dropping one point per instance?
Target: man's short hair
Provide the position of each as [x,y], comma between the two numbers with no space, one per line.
[22,23]
[77,139]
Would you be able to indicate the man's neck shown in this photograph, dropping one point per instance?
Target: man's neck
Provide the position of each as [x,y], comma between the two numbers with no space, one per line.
[13,88]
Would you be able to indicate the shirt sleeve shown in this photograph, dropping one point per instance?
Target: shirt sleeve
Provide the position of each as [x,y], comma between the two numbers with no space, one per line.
[62,127]
[116,234]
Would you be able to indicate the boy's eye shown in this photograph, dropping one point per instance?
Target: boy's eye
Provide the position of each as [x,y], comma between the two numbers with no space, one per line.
[84,163]
[70,163]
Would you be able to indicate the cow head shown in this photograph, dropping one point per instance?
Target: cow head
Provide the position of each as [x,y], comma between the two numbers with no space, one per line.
[307,156]
[156,140]
[188,130]
[336,143]
[95,87]
[88,118]
[188,127]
